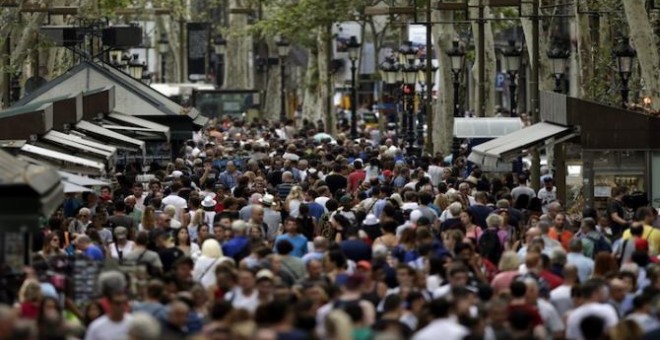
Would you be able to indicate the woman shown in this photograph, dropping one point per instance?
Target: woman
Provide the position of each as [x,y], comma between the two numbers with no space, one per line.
[203,233]
[122,244]
[436,272]
[148,219]
[242,189]
[204,270]
[51,247]
[29,297]
[508,270]
[194,203]
[388,239]
[472,231]
[80,224]
[50,320]
[340,225]
[604,265]
[93,311]
[451,238]
[306,223]
[406,251]
[293,201]
[183,242]
[195,222]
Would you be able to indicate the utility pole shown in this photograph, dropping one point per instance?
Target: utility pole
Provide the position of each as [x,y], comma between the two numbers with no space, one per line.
[429,80]
[534,92]
[481,22]
[7,74]
[182,40]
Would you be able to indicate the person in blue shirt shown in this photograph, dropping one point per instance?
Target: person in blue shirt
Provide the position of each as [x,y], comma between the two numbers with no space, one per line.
[239,245]
[84,244]
[298,241]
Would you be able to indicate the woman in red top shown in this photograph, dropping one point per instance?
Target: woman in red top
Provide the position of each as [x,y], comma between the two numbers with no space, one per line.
[30,299]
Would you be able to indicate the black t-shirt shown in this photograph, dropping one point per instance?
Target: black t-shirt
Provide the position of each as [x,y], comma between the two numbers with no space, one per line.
[168,256]
[615,206]
[336,182]
[393,325]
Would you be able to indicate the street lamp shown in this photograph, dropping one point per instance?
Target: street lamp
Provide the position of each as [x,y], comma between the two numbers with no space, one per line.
[389,71]
[219,47]
[146,75]
[163,48]
[408,55]
[558,60]
[625,56]
[353,54]
[456,55]
[283,47]
[135,68]
[125,62]
[512,64]
[423,82]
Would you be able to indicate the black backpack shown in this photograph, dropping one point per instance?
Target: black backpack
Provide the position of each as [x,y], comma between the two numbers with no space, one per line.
[490,246]
[600,244]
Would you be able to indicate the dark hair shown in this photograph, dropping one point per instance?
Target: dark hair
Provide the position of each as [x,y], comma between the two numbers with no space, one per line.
[338,258]
[342,220]
[332,205]
[142,238]
[425,198]
[284,247]
[220,309]
[440,308]
[518,289]
[592,327]
[389,227]
[120,206]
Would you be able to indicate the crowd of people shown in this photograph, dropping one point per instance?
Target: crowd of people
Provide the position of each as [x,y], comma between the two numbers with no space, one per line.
[257,233]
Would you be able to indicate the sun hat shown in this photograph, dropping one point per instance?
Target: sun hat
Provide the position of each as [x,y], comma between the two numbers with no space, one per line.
[209,202]
[267,200]
[370,220]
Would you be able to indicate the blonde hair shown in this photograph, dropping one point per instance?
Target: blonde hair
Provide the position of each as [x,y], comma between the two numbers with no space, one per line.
[509,261]
[198,217]
[338,325]
[170,210]
[211,248]
[30,291]
[148,218]
[295,193]
[494,221]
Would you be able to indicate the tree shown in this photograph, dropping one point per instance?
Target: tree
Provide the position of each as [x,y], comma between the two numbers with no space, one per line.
[490,61]
[443,118]
[239,41]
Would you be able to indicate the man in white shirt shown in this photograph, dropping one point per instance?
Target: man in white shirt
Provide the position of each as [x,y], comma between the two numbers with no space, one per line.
[177,201]
[522,188]
[547,194]
[560,297]
[435,171]
[115,324]
[594,293]
[444,326]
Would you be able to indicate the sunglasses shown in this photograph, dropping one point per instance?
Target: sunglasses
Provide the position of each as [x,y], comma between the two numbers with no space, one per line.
[55,240]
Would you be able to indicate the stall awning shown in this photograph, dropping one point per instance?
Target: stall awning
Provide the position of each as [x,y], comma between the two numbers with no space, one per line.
[59,157]
[141,124]
[511,145]
[69,143]
[71,188]
[201,120]
[485,127]
[80,180]
[101,132]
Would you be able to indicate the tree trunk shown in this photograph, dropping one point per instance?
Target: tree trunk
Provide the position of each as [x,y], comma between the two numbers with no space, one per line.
[443,118]
[272,101]
[584,48]
[312,85]
[237,61]
[490,61]
[642,37]
[546,82]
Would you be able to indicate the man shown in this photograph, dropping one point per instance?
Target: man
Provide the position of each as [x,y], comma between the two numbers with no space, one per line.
[229,177]
[335,180]
[132,211]
[239,246]
[616,211]
[152,304]
[292,265]
[593,241]
[119,218]
[299,242]
[166,250]
[522,188]
[647,217]
[84,245]
[272,218]
[425,199]
[140,255]
[316,210]
[177,201]
[175,326]
[435,171]
[284,188]
[554,326]
[594,294]
[140,195]
[321,245]
[466,191]
[444,324]
[257,220]
[560,297]
[458,277]
[113,325]
[547,194]
[351,295]
[643,313]
[479,209]
[356,177]
[323,197]
[558,232]
[549,242]
[246,212]
[354,248]
[620,297]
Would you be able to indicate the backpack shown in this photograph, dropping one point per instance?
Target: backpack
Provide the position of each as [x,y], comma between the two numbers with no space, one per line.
[600,244]
[490,246]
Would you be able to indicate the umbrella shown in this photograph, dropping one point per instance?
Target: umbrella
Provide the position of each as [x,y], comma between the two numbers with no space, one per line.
[321,136]
[71,188]
[80,180]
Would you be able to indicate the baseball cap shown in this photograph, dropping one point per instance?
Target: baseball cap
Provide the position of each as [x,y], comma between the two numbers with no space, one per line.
[265,274]
[364,265]
[387,173]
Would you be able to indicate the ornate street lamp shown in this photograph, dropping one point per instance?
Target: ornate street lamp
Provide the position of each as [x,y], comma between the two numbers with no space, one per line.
[625,57]
[163,48]
[389,72]
[512,56]
[283,48]
[456,56]
[353,54]
[558,60]
[135,67]
[408,56]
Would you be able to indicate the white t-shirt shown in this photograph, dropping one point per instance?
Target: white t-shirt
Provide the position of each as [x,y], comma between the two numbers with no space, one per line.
[178,202]
[602,310]
[547,197]
[447,329]
[247,302]
[560,297]
[322,200]
[551,318]
[105,329]
[127,248]
[435,172]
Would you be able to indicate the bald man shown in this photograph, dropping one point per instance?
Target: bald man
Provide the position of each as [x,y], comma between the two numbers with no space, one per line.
[560,297]
[175,326]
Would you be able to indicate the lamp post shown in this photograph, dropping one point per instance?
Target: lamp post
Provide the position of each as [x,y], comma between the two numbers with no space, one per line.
[146,75]
[625,56]
[389,71]
[353,54]
[512,64]
[163,47]
[558,59]
[423,97]
[456,55]
[219,47]
[135,68]
[408,54]
[283,48]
